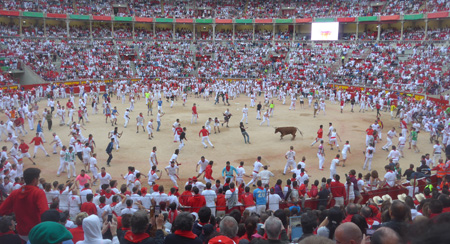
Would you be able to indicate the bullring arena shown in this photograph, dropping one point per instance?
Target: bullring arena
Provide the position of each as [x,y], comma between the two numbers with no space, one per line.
[364,66]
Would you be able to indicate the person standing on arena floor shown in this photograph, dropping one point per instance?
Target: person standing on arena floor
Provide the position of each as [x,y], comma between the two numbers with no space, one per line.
[140,122]
[245,114]
[158,119]
[208,172]
[266,118]
[38,143]
[57,142]
[258,111]
[182,137]
[333,140]
[114,114]
[345,149]
[203,163]
[244,133]
[174,157]
[216,125]
[27,203]
[240,173]
[370,150]
[204,134]
[390,135]
[69,161]
[107,113]
[153,158]
[256,167]
[401,144]
[228,171]
[334,163]
[93,167]
[194,114]
[321,155]
[319,135]
[126,117]
[150,129]
[172,171]
[316,108]
[290,156]
[109,150]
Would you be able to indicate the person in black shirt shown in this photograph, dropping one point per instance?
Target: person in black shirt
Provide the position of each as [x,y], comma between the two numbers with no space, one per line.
[409,172]
[258,111]
[244,133]
[182,138]
[423,169]
[323,197]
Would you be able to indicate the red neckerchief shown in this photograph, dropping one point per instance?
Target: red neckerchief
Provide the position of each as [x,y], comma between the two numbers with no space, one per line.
[217,186]
[136,238]
[232,190]
[288,186]
[8,233]
[161,192]
[172,215]
[136,180]
[86,189]
[302,174]
[293,179]
[260,187]
[16,183]
[130,173]
[226,184]
[185,233]
[390,171]
[228,168]
[103,174]
[101,205]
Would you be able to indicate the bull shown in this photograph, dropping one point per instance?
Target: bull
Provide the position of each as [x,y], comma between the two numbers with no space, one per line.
[287,130]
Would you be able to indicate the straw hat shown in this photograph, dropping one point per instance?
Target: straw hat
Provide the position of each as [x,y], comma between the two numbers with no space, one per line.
[402,197]
[387,198]
[420,197]
[377,200]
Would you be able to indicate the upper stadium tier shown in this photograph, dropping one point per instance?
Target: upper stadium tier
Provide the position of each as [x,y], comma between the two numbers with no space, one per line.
[229,9]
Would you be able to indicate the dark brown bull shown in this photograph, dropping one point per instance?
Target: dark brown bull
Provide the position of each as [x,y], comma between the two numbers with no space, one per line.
[287,130]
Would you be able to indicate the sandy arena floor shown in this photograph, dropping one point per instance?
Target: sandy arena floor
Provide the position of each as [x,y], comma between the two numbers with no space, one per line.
[229,144]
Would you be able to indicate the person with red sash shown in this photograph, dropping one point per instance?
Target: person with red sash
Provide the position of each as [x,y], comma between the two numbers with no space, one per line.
[196,201]
[182,231]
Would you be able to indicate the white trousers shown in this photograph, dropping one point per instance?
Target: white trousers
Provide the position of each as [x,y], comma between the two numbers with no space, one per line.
[40,147]
[207,139]
[321,160]
[289,163]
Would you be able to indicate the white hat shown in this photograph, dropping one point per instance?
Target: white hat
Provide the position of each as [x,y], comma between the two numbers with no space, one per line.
[420,197]
[387,198]
[377,200]
[402,197]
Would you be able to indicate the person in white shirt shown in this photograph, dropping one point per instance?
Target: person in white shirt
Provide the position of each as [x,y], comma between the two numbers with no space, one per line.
[159,195]
[153,159]
[129,209]
[256,167]
[334,163]
[93,166]
[394,154]
[210,198]
[274,200]
[240,173]
[265,175]
[401,143]
[202,163]
[172,172]
[345,149]
[57,142]
[370,150]
[390,135]
[437,150]
[302,177]
[87,154]
[153,175]
[105,178]
[290,156]
[74,203]
[245,114]
[389,177]
[126,116]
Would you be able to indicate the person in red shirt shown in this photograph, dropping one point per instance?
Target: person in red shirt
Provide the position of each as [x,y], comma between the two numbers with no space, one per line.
[247,199]
[197,201]
[23,147]
[88,206]
[313,193]
[337,191]
[186,195]
[194,114]
[28,203]
[208,172]
[319,135]
[205,136]
[369,136]
[221,203]
[38,143]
